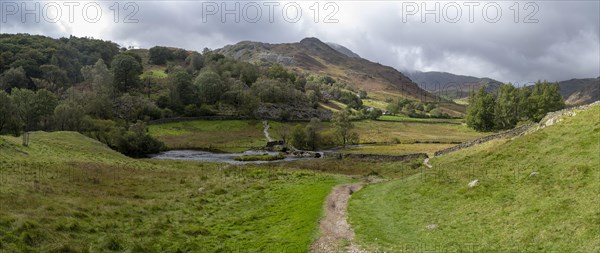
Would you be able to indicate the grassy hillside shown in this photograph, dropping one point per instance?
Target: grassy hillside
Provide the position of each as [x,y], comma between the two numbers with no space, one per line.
[68,193]
[508,211]
[450,85]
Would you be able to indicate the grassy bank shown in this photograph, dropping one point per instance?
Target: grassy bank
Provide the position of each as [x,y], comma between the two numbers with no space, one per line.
[510,210]
[224,135]
[68,193]
[423,120]
[265,157]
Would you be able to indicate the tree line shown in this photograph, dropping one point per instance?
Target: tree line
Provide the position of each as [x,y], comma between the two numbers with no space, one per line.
[314,135]
[95,87]
[511,105]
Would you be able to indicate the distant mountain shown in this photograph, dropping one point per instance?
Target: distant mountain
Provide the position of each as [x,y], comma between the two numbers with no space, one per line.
[343,50]
[314,56]
[580,91]
[450,85]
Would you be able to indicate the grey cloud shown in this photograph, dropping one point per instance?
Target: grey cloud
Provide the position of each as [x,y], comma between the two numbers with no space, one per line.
[564,44]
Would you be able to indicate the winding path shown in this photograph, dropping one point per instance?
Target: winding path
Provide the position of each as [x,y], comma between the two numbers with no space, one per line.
[334,227]
[266,130]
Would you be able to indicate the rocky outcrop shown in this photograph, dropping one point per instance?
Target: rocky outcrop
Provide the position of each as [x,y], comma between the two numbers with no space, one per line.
[554,117]
[506,134]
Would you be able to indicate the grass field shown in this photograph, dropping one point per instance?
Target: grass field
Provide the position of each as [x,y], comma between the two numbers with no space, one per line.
[239,135]
[409,132]
[424,120]
[397,149]
[508,211]
[381,105]
[225,135]
[154,72]
[68,193]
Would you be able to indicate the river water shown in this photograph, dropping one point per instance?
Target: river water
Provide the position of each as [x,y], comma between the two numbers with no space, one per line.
[205,156]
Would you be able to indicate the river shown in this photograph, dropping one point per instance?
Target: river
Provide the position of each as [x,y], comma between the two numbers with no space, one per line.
[205,156]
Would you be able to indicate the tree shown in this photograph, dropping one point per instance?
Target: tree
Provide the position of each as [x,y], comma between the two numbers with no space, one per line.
[99,103]
[54,75]
[135,141]
[362,94]
[7,111]
[312,133]
[133,108]
[159,55]
[554,101]
[210,87]
[480,113]
[45,103]
[279,72]
[374,113]
[343,126]
[248,73]
[24,101]
[68,117]
[524,105]
[126,72]
[505,109]
[34,108]
[182,91]
[299,137]
[14,78]
[313,98]
[544,98]
[195,61]
[283,131]
[242,99]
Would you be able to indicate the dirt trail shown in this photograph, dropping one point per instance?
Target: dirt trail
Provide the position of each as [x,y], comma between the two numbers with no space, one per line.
[334,227]
[266,130]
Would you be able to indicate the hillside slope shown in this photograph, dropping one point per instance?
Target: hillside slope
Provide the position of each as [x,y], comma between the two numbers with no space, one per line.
[312,55]
[580,91]
[450,85]
[511,208]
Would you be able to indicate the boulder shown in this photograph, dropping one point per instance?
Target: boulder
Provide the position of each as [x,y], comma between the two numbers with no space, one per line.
[473,183]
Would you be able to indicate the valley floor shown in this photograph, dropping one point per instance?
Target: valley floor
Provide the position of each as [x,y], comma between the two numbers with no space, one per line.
[535,193]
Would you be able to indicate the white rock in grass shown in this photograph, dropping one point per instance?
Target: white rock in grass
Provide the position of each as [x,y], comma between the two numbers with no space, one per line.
[534,174]
[431,226]
[473,183]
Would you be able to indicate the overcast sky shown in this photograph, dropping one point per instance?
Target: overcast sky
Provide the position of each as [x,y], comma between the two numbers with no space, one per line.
[522,42]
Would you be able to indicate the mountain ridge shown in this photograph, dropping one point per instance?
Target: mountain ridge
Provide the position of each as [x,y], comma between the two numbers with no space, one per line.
[314,56]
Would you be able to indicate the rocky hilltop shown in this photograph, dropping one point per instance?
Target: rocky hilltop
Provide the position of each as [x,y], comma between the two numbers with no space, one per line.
[316,57]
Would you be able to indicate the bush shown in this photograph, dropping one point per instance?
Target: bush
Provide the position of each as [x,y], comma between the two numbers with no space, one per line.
[136,142]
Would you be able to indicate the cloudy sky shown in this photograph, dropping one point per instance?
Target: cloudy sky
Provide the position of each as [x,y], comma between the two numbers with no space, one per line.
[509,41]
